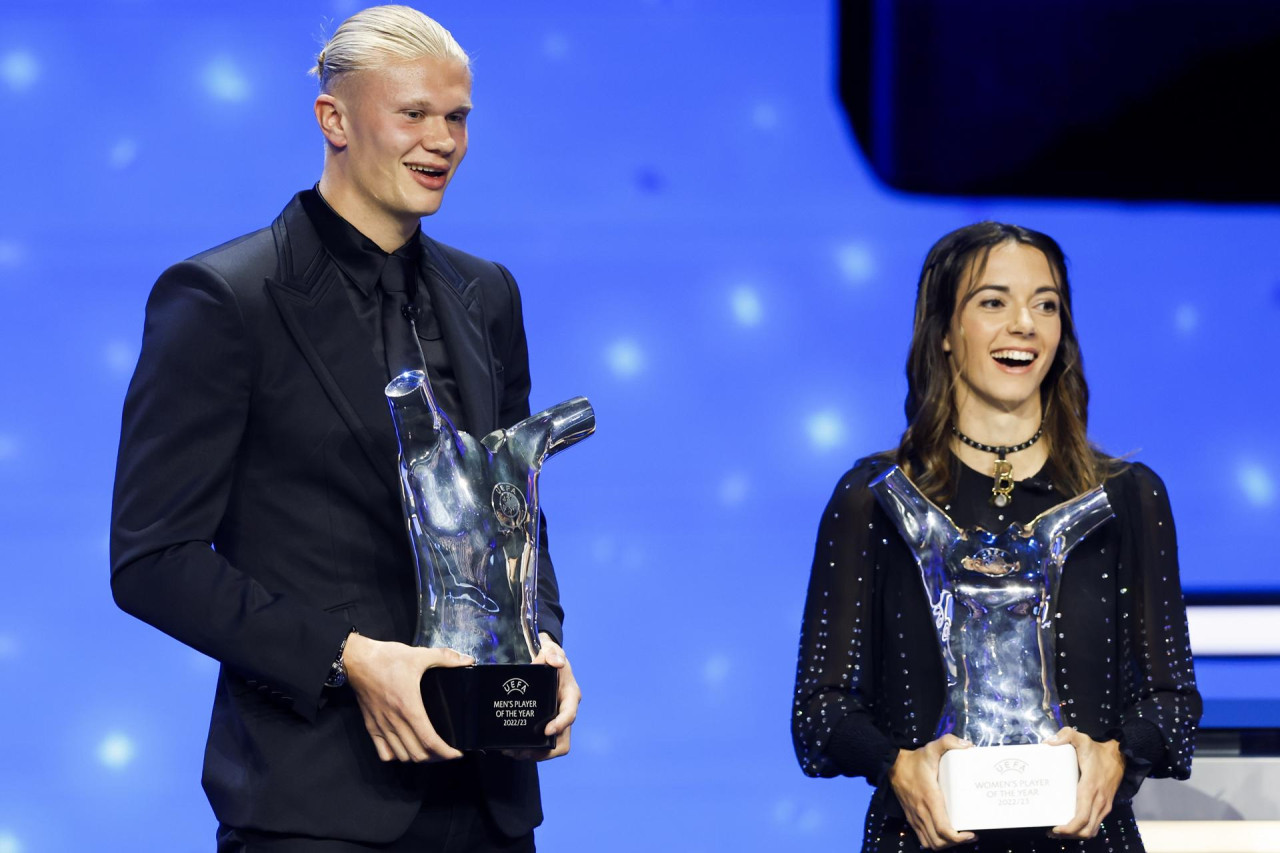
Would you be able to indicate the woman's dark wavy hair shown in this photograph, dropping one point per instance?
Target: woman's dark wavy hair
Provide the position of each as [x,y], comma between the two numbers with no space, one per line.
[954,263]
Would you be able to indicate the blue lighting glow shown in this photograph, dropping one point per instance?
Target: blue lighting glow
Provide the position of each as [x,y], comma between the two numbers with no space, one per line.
[625,359]
[224,81]
[826,430]
[19,70]
[116,750]
[1257,484]
[747,308]
[701,250]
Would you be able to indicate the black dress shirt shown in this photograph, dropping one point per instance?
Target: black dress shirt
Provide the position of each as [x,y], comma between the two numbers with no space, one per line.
[362,262]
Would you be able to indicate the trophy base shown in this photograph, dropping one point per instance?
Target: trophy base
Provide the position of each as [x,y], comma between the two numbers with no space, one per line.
[1004,787]
[492,706]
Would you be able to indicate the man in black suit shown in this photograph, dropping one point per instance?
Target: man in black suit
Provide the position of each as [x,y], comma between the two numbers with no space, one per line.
[256,514]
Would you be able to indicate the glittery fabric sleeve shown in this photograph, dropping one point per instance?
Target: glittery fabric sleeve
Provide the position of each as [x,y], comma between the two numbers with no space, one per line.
[1160,704]
[832,723]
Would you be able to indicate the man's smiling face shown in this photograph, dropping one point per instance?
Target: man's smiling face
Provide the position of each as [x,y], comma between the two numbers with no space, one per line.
[399,135]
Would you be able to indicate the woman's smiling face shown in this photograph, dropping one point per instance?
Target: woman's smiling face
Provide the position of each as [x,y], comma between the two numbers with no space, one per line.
[1005,330]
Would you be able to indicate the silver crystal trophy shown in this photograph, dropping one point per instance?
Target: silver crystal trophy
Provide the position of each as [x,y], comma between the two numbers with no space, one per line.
[472,512]
[992,597]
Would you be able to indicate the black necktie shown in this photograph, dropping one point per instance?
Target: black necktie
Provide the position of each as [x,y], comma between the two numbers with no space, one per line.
[399,338]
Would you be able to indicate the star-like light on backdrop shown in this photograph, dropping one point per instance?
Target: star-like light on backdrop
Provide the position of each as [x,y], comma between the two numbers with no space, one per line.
[9,842]
[734,488]
[716,669]
[603,549]
[856,262]
[1186,318]
[1256,483]
[825,430]
[746,305]
[625,358]
[19,70]
[555,46]
[10,253]
[9,447]
[764,116]
[120,357]
[122,153]
[116,750]
[224,81]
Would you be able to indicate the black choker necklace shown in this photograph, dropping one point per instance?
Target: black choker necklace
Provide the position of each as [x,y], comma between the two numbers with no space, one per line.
[1002,488]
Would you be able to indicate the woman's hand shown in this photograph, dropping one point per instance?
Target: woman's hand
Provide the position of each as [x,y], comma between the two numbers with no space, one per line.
[1101,769]
[914,777]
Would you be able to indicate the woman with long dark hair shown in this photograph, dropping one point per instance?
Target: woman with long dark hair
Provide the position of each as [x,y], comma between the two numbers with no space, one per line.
[997,415]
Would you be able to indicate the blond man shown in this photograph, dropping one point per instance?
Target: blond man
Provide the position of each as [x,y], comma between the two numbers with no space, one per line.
[256,514]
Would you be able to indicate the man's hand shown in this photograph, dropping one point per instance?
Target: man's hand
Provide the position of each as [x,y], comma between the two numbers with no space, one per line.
[567,696]
[914,777]
[1101,770]
[387,678]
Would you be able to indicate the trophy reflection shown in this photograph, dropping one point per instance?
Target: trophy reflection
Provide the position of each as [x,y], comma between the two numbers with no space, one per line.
[992,597]
[472,511]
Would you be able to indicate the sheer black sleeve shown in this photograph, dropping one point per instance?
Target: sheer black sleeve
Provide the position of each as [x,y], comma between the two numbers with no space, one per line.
[832,723]
[1160,704]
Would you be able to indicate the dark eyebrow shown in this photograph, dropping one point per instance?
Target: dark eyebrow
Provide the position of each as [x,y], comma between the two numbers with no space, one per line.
[1004,288]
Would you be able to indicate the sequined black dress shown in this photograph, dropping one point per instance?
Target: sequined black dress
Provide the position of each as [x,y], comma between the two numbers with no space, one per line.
[870,678]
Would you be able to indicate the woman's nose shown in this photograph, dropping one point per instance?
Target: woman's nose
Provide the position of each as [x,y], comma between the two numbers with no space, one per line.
[1022,322]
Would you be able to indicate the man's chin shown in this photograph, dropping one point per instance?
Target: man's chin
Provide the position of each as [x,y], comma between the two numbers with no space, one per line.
[425,207]
[410,214]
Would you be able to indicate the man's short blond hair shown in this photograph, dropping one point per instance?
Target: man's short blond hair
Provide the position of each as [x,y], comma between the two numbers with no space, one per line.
[380,35]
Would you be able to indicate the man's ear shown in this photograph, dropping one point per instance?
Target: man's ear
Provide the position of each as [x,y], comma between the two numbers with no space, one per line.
[332,119]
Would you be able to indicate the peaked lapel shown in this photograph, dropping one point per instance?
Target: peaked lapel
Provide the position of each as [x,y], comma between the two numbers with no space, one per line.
[309,291]
[460,312]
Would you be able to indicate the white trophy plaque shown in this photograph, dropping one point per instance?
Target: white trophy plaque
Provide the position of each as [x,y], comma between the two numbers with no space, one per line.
[1001,787]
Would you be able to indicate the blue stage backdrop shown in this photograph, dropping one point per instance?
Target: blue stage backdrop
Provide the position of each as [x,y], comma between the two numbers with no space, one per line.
[702,252]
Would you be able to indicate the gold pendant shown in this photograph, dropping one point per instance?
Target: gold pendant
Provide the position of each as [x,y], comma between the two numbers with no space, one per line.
[1002,489]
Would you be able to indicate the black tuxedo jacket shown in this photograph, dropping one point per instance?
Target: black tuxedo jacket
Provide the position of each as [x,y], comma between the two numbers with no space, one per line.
[257,518]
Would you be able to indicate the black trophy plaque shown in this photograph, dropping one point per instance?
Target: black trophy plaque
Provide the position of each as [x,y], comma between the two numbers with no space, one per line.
[494,706]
